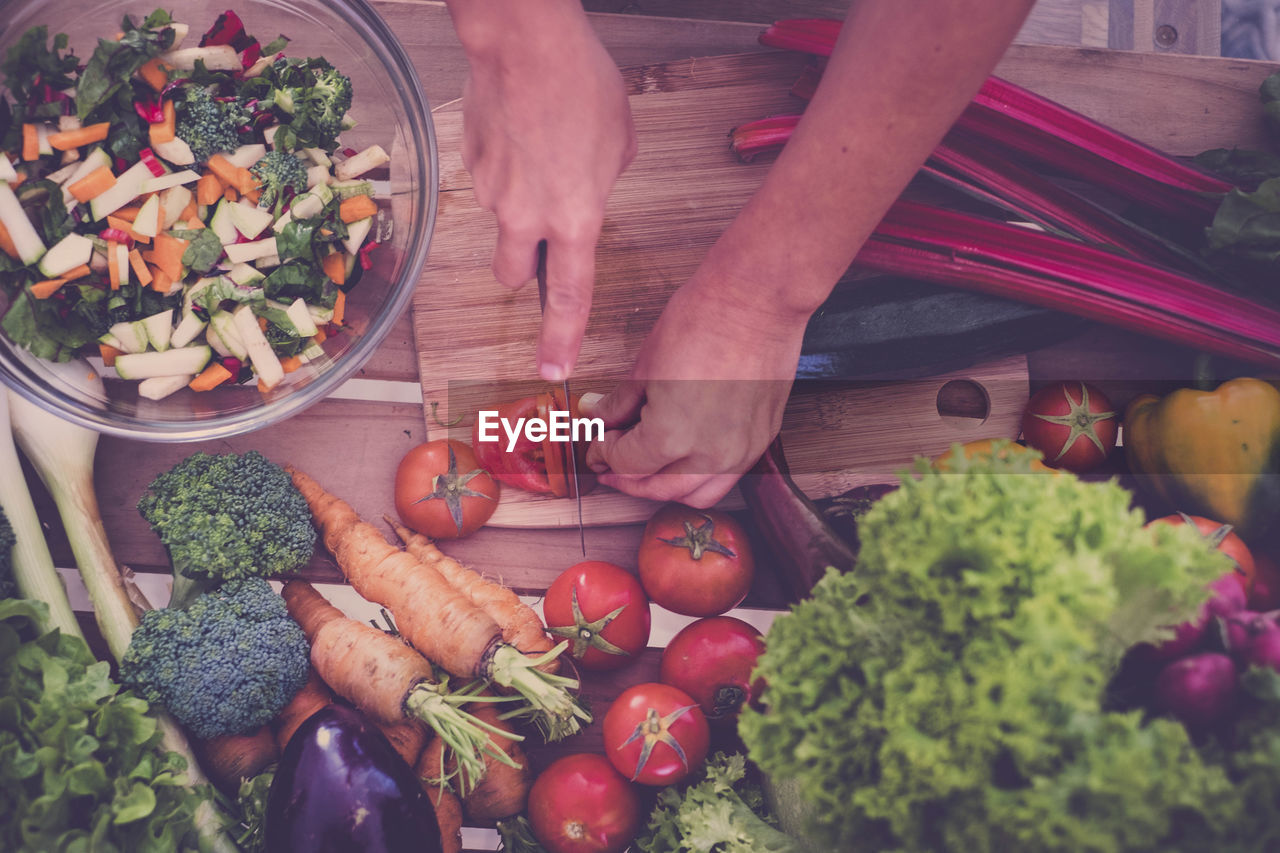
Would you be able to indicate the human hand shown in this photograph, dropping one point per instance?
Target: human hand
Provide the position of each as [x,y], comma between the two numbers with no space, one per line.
[547,129]
[703,401]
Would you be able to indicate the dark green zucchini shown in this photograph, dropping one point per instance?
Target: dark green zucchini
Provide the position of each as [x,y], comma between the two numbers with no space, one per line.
[892,327]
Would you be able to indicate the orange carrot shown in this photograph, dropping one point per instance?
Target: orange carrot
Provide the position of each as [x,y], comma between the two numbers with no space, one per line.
[161,281]
[254,195]
[208,189]
[167,254]
[226,171]
[211,377]
[356,207]
[407,738]
[339,309]
[231,758]
[313,696]
[431,770]
[140,267]
[6,242]
[245,183]
[108,354]
[335,267]
[155,74]
[67,139]
[191,211]
[128,213]
[382,676]
[194,223]
[453,632]
[30,142]
[319,337]
[229,193]
[93,184]
[127,227]
[163,130]
[46,288]
[114,274]
[500,793]
[520,624]
[290,363]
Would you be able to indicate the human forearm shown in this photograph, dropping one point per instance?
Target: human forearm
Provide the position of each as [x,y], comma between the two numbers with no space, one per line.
[898,78]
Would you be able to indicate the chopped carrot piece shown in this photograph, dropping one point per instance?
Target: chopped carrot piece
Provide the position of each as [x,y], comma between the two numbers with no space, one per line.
[195,223]
[208,189]
[356,207]
[167,255]
[30,142]
[339,308]
[319,337]
[335,266]
[254,195]
[73,274]
[245,182]
[154,73]
[68,139]
[230,194]
[263,386]
[113,269]
[161,281]
[262,323]
[290,363]
[127,227]
[6,242]
[109,354]
[140,267]
[211,377]
[129,213]
[48,287]
[192,210]
[93,184]
[224,169]
[163,131]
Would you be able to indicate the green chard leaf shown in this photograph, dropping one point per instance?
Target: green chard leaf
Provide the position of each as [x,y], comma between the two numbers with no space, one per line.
[203,249]
[113,63]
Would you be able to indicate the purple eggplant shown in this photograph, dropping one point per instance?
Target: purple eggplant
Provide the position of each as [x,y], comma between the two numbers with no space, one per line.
[341,787]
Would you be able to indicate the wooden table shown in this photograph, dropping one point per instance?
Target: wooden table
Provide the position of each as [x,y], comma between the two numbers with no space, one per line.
[353,440]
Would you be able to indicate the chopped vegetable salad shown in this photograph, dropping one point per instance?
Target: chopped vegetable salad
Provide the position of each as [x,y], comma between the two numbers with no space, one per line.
[182,210]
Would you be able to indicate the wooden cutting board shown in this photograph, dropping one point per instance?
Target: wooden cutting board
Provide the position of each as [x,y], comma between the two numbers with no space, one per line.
[473,335]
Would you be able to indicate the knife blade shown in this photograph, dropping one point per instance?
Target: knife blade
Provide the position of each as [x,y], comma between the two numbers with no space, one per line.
[572,452]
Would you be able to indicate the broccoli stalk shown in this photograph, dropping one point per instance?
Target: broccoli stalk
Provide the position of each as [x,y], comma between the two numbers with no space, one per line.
[227,517]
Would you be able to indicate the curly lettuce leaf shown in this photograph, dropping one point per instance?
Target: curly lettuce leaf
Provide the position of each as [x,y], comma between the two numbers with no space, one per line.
[947,694]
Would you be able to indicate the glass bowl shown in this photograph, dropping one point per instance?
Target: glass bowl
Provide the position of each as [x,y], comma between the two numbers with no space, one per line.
[390,109]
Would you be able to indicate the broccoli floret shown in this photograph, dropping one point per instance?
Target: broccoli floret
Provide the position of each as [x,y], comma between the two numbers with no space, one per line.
[225,517]
[209,126]
[315,97]
[8,585]
[225,665]
[278,171]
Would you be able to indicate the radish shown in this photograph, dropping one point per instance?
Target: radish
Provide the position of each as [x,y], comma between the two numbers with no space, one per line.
[1226,599]
[1199,690]
[1264,650]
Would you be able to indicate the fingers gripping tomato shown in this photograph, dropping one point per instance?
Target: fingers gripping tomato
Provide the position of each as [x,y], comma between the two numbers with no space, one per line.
[695,562]
[602,611]
[581,804]
[711,660]
[441,492]
[655,734]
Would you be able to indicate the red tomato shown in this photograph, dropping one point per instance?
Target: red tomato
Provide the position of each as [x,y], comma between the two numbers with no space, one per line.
[655,734]
[712,660]
[581,804]
[1225,540]
[695,562]
[1073,424]
[602,611]
[441,492]
[523,466]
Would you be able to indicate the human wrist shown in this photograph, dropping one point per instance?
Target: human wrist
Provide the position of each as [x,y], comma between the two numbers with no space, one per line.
[494,31]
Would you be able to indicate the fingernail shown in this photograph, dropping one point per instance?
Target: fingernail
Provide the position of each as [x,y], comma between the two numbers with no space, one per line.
[554,372]
[589,401]
[599,467]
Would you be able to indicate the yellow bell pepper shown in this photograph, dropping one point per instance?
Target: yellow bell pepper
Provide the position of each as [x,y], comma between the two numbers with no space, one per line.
[1211,453]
